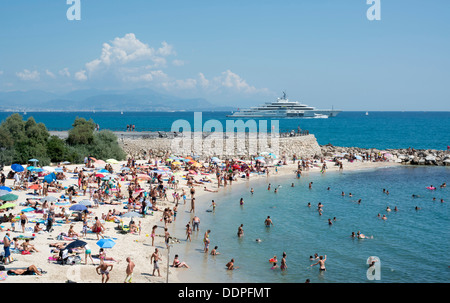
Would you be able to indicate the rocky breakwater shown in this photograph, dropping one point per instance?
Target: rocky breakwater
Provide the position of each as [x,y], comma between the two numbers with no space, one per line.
[408,156]
[139,147]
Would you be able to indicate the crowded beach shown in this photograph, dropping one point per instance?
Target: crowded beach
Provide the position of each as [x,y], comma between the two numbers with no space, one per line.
[108,221]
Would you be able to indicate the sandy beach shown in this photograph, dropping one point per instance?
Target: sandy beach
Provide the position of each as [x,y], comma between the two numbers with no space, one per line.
[136,246]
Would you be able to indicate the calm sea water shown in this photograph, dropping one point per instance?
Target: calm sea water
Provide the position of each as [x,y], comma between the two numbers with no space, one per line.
[412,245]
[421,130]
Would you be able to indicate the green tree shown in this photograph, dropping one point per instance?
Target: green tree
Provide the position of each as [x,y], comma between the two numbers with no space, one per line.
[82,132]
[56,149]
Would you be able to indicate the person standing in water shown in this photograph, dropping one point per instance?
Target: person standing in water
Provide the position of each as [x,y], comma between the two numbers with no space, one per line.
[283,265]
[321,262]
[240,232]
[268,222]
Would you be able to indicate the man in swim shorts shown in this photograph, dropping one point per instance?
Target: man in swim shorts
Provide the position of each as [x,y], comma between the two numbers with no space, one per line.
[104,270]
[155,258]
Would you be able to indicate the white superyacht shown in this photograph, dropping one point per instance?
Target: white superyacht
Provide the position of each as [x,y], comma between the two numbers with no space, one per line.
[283,108]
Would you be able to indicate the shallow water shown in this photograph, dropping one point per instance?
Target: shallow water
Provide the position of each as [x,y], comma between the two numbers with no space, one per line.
[412,245]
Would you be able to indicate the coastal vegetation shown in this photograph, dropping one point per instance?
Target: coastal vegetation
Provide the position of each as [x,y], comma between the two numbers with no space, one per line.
[22,140]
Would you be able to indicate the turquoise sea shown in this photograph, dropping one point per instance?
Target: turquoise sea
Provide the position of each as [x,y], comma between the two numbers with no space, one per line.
[412,245]
[420,130]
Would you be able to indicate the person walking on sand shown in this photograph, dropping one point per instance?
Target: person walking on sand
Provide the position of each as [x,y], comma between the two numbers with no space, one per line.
[155,258]
[23,220]
[98,228]
[6,246]
[129,270]
[87,253]
[153,234]
[104,272]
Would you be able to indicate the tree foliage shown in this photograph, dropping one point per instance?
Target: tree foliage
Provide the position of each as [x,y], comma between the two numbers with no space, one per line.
[22,140]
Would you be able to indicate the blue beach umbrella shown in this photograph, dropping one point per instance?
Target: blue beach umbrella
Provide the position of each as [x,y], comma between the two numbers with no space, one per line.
[78,207]
[106,243]
[103,171]
[17,168]
[85,203]
[5,188]
[50,178]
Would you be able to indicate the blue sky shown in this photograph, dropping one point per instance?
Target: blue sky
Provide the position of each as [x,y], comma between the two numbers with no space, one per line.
[322,52]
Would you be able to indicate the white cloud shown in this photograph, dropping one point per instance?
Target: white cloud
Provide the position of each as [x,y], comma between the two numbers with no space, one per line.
[28,75]
[234,81]
[151,76]
[64,72]
[81,75]
[49,73]
[203,81]
[126,50]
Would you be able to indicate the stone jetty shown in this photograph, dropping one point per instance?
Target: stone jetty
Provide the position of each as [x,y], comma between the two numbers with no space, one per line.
[409,156]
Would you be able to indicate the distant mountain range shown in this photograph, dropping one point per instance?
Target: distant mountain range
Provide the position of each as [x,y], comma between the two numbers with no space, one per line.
[102,100]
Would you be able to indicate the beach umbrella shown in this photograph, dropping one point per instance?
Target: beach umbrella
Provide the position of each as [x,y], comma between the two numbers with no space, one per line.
[358,157]
[92,158]
[7,205]
[3,192]
[260,158]
[65,162]
[9,197]
[78,207]
[17,168]
[99,176]
[112,161]
[34,161]
[192,172]
[5,188]
[49,169]
[50,178]
[99,163]
[35,186]
[59,170]
[75,244]
[106,243]
[49,199]
[85,203]
[176,163]
[131,214]
[103,171]
[169,160]
[143,176]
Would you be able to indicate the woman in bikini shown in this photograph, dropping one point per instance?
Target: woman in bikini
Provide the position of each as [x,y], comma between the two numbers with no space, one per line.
[178,264]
